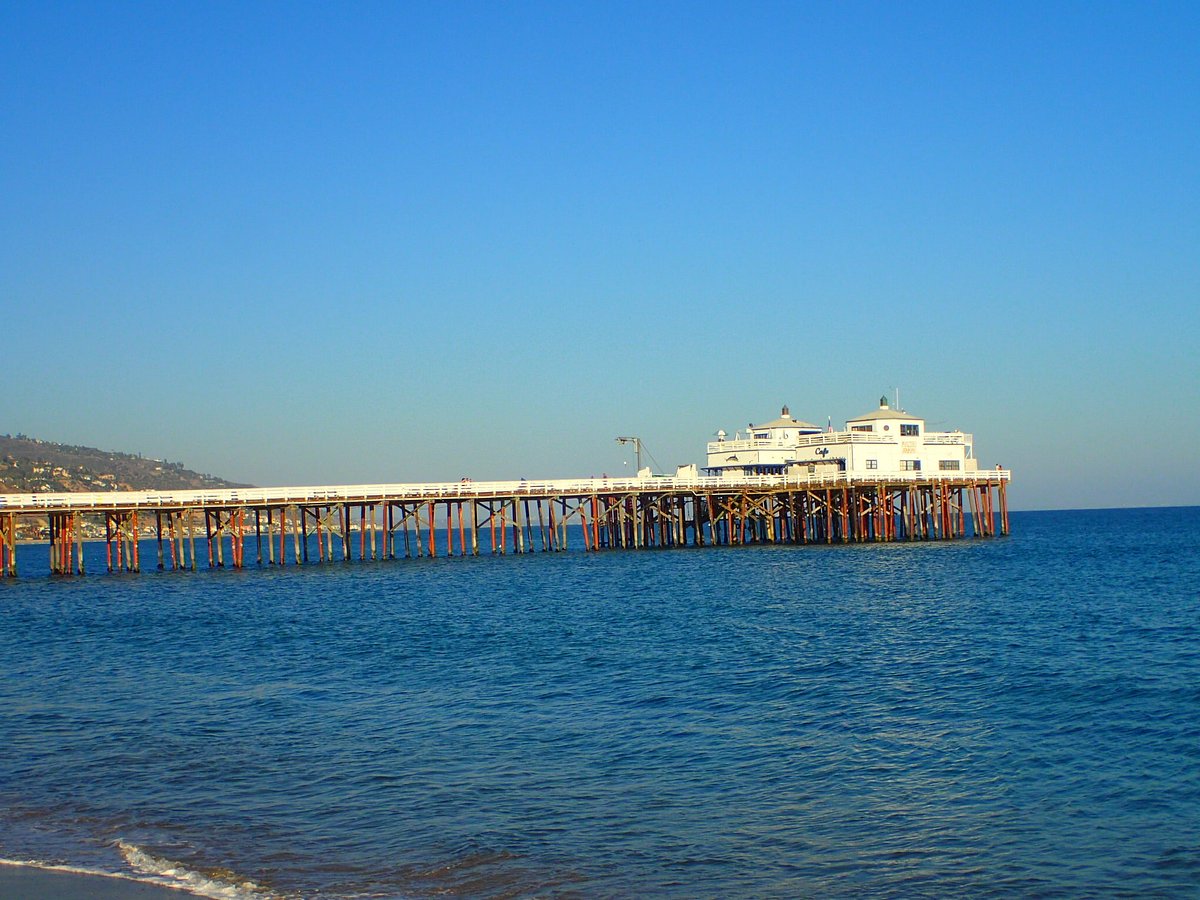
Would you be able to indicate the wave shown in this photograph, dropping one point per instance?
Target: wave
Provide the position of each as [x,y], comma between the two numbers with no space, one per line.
[85,874]
[216,884]
[161,873]
[66,870]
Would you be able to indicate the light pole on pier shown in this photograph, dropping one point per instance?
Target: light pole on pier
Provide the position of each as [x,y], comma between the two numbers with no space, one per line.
[637,448]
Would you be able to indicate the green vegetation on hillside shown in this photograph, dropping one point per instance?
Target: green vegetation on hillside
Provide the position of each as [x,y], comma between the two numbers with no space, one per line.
[31,465]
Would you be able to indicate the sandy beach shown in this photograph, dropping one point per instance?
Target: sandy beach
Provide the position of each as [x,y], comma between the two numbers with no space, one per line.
[35,883]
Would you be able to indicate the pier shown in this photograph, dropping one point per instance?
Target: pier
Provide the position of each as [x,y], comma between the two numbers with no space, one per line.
[297,525]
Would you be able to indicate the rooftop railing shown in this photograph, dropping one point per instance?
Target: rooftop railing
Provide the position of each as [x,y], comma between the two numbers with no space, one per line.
[837,437]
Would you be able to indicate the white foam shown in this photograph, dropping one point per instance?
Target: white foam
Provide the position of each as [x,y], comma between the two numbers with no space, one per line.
[90,873]
[173,874]
[70,870]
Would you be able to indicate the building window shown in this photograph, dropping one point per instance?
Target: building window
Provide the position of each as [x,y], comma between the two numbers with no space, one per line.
[910,465]
[761,435]
[910,430]
[949,465]
[872,464]
[812,470]
[862,427]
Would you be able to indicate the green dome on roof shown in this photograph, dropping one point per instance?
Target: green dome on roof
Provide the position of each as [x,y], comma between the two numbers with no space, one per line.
[884,412]
[785,420]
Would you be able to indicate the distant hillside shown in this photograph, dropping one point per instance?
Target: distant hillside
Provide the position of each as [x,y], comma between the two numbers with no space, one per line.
[30,465]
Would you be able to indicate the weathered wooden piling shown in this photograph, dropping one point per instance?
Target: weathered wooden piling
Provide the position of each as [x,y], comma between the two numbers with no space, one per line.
[520,517]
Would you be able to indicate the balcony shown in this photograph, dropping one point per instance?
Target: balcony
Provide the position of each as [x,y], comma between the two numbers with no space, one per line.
[943,438]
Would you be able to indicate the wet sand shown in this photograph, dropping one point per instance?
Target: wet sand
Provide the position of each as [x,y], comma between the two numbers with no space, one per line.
[33,883]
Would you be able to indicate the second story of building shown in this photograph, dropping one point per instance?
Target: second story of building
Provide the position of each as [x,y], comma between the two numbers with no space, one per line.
[765,449]
[884,441]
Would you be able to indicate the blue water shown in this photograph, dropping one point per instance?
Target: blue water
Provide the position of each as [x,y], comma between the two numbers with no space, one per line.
[1014,717]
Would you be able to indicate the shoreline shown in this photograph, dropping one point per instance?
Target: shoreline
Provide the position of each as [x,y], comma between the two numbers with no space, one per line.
[37,881]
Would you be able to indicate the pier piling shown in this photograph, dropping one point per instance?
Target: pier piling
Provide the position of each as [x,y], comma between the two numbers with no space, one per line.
[641,513]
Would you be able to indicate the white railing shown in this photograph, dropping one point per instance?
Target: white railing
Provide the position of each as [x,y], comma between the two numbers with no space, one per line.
[747,444]
[359,492]
[806,440]
[948,437]
[991,476]
[846,437]
[837,437]
[368,493]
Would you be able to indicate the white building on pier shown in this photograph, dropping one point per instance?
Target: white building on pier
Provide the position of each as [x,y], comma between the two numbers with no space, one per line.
[882,442]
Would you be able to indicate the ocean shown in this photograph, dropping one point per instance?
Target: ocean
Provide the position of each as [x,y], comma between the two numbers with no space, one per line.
[1011,717]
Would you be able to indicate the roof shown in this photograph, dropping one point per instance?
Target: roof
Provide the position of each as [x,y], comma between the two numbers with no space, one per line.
[884,412]
[785,420]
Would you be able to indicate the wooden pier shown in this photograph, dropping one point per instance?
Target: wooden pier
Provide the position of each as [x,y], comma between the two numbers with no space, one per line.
[321,524]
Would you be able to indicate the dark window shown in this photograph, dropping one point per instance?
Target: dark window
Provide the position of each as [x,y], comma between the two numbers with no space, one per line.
[910,465]
[949,465]
[910,430]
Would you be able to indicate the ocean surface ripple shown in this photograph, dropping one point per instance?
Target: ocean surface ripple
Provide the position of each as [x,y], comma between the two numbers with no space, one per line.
[1007,718]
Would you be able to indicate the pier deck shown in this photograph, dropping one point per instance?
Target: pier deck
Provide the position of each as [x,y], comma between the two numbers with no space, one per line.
[457,518]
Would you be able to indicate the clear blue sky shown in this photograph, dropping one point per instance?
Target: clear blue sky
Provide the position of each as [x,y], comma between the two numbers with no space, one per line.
[318,243]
